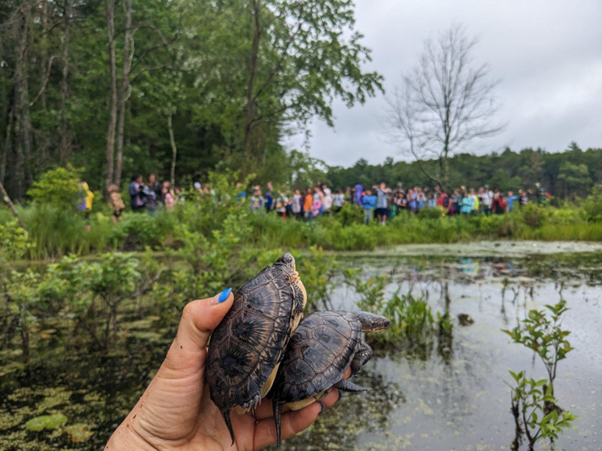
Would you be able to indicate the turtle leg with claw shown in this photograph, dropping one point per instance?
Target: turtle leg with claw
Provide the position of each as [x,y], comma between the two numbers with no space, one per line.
[298,299]
[347,385]
[363,354]
[277,408]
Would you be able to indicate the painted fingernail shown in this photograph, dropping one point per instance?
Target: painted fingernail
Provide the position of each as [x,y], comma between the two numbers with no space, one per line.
[322,407]
[224,295]
[340,395]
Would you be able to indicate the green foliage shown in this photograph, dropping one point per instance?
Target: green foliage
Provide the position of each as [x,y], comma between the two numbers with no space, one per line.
[14,241]
[187,66]
[544,336]
[222,218]
[430,213]
[350,214]
[412,321]
[91,291]
[575,178]
[509,170]
[138,230]
[541,332]
[591,208]
[536,406]
[57,187]
[317,273]
[533,215]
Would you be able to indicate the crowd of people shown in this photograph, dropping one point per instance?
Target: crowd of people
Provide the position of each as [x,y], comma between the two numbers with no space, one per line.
[382,203]
[377,202]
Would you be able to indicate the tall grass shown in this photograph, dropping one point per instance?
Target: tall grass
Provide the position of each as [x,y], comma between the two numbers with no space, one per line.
[55,232]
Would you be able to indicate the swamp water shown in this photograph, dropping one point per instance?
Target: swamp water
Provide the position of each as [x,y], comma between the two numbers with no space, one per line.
[451,399]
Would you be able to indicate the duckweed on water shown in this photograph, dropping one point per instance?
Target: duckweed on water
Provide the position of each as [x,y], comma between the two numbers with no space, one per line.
[49,422]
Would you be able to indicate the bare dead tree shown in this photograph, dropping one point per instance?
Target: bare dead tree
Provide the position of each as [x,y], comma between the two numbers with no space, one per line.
[443,104]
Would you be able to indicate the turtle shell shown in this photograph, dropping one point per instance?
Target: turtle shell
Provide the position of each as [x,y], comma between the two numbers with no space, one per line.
[319,353]
[249,343]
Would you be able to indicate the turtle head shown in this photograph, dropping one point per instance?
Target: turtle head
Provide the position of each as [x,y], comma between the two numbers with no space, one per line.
[372,323]
[287,261]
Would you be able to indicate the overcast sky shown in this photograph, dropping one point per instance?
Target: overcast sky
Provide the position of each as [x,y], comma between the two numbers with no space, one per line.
[547,53]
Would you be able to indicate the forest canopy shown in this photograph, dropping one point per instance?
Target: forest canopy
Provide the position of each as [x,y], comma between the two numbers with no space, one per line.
[122,86]
[565,174]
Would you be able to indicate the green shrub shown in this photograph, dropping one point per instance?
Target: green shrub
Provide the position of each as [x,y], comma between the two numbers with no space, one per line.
[430,213]
[534,215]
[14,241]
[58,187]
[350,214]
[355,237]
[136,231]
[591,208]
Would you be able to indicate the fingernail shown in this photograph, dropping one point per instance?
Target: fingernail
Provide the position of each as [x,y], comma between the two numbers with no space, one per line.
[340,395]
[322,408]
[224,295]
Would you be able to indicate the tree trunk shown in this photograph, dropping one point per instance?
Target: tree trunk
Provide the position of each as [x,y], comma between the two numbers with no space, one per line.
[11,206]
[124,94]
[44,50]
[250,107]
[7,144]
[174,151]
[445,172]
[65,144]
[110,17]
[24,164]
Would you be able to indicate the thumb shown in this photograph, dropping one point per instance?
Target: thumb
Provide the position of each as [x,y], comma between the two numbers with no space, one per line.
[199,318]
[176,389]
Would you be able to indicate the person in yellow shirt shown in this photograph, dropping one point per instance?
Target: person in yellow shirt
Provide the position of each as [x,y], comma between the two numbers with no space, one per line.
[87,197]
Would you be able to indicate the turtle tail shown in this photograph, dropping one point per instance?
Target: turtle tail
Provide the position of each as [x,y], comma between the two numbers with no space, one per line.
[277,407]
[228,421]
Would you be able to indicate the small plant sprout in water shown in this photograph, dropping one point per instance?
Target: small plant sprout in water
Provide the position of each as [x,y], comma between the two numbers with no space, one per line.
[414,325]
[535,409]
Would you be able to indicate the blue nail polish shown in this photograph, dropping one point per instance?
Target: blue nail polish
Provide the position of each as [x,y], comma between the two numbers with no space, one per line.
[224,295]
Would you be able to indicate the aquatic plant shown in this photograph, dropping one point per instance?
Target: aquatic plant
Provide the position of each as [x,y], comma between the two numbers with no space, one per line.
[412,320]
[317,270]
[534,406]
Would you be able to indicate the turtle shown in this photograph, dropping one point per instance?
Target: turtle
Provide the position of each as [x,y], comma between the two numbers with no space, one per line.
[320,351]
[248,345]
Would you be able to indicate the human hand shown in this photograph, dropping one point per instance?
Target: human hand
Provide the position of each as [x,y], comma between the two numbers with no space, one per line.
[176,413]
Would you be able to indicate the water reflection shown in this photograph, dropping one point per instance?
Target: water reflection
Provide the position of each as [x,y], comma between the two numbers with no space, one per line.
[460,393]
[356,413]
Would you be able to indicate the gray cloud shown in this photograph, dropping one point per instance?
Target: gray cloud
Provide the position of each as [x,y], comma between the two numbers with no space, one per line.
[547,53]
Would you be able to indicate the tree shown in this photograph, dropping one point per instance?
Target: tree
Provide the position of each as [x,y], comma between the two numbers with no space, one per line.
[443,104]
[299,60]
[575,178]
[110,17]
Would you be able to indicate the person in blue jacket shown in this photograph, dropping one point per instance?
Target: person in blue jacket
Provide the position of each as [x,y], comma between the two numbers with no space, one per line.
[369,202]
[510,199]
